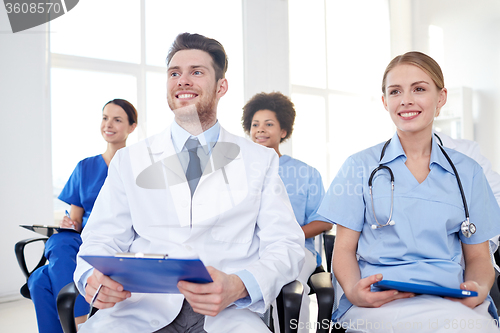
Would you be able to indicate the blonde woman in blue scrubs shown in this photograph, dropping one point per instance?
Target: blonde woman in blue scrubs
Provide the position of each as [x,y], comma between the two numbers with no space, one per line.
[424,243]
[268,118]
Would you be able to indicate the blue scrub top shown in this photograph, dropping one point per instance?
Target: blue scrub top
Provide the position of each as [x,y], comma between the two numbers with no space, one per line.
[84,184]
[424,244]
[305,189]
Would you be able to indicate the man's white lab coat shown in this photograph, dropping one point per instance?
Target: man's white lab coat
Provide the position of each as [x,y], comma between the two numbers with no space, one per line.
[239,218]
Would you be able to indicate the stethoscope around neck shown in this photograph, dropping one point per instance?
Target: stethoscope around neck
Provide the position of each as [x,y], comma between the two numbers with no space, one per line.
[467,228]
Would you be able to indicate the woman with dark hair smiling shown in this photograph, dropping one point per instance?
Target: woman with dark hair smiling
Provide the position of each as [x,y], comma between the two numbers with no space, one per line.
[119,119]
[268,118]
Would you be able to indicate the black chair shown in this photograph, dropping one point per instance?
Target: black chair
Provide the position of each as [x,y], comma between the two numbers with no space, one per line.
[66,306]
[288,304]
[21,260]
[328,242]
[495,289]
[320,283]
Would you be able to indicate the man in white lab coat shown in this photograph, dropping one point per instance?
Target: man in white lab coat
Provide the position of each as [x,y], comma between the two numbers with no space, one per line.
[235,216]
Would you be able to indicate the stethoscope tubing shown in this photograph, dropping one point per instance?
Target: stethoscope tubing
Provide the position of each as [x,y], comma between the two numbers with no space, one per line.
[384,167]
[458,182]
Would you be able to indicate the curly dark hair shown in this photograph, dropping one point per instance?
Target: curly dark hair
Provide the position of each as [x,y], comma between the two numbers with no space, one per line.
[280,104]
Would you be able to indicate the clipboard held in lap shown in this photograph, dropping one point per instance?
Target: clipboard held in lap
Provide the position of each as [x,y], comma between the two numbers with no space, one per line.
[149,273]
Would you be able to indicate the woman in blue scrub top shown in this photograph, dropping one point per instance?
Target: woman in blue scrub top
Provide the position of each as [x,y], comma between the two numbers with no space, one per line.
[422,241]
[268,119]
[119,119]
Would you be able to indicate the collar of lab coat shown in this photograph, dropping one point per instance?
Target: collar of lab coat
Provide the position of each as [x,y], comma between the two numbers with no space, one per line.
[224,152]
[162,143]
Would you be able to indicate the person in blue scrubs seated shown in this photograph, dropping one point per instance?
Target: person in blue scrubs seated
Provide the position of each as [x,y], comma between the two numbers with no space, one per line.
[119,119]
[420,236]
[268,119]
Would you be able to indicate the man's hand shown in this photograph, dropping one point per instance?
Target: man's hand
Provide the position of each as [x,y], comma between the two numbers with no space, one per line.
[111,292]
[211,298]
[362,296]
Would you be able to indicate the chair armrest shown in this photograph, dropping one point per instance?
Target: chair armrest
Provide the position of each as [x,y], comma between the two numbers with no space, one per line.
[21,260]
[322,285]
[66,306]
[288,302]
[328,240]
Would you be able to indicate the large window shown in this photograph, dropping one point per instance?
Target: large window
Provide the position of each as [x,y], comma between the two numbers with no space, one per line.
[336,67]
[103,50]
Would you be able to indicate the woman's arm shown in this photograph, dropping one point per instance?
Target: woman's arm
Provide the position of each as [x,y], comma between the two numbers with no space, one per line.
[74,221]
[479,273]
[315,228]
[346,269]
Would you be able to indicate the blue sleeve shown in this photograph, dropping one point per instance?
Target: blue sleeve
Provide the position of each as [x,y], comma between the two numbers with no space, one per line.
[314,197]
[484,211]
[254,292]
[343,202]
[71,191]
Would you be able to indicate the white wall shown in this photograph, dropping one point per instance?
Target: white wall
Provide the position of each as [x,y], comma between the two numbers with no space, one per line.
[267,67]
[472,58]
[471,31]
[25,167]
[26,183]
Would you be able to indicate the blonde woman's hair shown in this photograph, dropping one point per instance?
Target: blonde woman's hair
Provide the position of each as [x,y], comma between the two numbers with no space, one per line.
[422,61]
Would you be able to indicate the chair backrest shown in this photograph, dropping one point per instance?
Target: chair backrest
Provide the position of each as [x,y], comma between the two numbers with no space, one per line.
[21,260]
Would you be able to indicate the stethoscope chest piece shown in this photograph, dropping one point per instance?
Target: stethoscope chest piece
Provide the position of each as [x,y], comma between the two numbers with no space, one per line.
[468,228]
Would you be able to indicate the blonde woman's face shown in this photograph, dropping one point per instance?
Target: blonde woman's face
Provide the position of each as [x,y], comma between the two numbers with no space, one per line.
[412,98]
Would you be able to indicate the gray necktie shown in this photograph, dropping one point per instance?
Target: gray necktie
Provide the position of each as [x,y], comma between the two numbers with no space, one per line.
[193,172]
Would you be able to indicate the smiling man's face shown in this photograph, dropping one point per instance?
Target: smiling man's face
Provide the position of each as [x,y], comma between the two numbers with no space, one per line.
[191,85]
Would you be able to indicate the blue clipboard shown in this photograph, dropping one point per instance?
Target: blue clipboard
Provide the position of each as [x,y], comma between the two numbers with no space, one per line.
[423,289]
[150,275]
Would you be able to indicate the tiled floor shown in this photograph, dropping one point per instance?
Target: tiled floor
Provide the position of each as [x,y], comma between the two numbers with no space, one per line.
[18,316]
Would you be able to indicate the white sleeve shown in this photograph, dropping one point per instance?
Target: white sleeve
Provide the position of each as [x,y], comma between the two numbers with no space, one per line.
[281,239]
[109,227]
[473,150]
